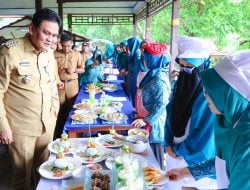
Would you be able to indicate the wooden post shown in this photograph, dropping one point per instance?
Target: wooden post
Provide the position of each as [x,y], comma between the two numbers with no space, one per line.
[38,5]
[148,24]
[174,32]
[60,13]
[134,26]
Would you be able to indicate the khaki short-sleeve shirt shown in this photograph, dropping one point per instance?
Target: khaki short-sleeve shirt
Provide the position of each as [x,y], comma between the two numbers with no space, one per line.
[28,93]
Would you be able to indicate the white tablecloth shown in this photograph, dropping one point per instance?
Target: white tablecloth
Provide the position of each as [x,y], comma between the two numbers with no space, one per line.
[205,183]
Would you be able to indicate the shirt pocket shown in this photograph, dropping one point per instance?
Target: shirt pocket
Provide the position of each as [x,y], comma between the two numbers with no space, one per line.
[50,73]
[25,77]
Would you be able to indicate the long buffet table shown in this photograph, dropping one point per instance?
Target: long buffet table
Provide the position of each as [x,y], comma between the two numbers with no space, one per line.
[119,95]
[205,183]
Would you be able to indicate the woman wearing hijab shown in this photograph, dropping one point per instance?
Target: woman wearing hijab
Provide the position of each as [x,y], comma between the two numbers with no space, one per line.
[227,90]
[152,99]
[133,66]
[93,69]
[189,125]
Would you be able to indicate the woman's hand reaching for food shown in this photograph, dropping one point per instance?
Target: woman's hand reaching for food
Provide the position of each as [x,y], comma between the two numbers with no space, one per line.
[178,174]
[138,123]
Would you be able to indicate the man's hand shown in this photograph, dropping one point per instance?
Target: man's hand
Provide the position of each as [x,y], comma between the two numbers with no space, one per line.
[60,85]
[70,70]
[6,137]
[138,123]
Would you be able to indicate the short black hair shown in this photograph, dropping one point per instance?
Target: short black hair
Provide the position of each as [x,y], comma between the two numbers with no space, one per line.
[45,15]
[65,38]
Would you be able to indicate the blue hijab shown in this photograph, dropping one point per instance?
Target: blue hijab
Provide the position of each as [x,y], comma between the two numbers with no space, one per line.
[109,51]
[133,44]
[134,65]
[155,64]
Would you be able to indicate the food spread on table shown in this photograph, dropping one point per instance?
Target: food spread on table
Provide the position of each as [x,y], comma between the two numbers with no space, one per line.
[128,168]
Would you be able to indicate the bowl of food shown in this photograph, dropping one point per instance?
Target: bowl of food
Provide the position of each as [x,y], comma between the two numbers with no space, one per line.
[138,131]
[137,143]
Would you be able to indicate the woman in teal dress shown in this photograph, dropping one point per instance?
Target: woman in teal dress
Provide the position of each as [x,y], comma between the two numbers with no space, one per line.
[93,69]
[154,91]
[227,89]
[189,131]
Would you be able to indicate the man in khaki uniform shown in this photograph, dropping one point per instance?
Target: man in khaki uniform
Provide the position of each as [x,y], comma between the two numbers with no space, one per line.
[70,64]
[29,100]
[86,54]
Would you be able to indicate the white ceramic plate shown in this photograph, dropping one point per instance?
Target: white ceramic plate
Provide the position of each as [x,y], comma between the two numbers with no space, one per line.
[101,155]
[56,147]
[49,174]
[79,172]
[103,141]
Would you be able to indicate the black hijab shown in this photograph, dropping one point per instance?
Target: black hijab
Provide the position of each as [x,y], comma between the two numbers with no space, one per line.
[187,88]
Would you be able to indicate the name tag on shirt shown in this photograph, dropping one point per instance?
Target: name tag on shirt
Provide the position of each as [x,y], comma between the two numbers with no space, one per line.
[24,63]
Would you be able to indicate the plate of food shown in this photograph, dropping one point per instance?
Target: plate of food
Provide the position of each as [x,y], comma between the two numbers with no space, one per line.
[154,176]
[114,117]
[84,117]
[82,106]
[92,153]
[115,104]
[59,168]
[108,141]
[109,87]
[93,88]
[105,109]
[138,131]
[65,145]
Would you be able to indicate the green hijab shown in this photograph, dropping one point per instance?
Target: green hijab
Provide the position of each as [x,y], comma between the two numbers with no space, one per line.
[232,128]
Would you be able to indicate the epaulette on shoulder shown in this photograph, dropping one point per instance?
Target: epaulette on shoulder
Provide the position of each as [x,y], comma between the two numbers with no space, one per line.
[10,43]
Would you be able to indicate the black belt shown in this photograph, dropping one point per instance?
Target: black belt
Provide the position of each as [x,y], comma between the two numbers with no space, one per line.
[69,80]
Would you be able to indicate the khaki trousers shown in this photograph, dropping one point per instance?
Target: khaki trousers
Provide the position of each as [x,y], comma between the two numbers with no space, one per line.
[69,92]
[28,153]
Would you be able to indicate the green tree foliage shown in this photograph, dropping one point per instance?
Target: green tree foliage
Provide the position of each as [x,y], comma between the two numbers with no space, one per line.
[226,22]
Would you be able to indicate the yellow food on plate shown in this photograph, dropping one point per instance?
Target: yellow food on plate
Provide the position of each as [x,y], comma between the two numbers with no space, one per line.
[76,187]
[152,175]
